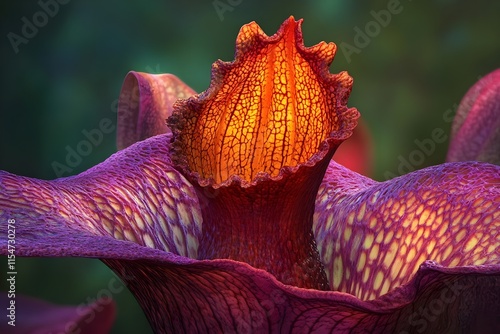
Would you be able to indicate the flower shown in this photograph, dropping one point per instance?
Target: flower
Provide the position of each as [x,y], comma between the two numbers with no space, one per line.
[239,221]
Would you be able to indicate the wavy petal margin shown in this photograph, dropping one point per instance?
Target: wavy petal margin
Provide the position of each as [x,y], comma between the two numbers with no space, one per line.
[183,295]
[476,127]
[134,195]
[274,106]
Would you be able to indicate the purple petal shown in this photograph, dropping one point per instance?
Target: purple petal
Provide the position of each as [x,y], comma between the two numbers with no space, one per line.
[35,316]
[373,236]
[145,103]
[476,127]
[134,195]
[184,295]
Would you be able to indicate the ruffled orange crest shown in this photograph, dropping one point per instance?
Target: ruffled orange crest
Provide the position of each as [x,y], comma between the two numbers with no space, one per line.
[270,108]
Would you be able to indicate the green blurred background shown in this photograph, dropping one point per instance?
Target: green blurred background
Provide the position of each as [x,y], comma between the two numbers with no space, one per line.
[67,78]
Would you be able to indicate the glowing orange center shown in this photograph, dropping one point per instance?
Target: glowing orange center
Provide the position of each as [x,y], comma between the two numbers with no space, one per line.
[270,108]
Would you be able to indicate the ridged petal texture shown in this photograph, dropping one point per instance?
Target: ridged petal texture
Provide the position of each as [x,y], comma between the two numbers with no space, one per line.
[373,236]
[475,134]
[135,195]
[416,254]
[270,108]
[262,136]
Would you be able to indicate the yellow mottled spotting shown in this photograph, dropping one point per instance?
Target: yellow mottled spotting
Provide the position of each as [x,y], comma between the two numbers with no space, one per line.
[380,237]
[347,233]
[460,235]
[496,214]
[408,239]
[473,221]
[128,210]
[347,274]
[169,201]
[406,223]
[419,210]
[379,279]
[447,252]
[337,247]
[192,246]
[138,221]
[327,257]
[478,259]
[366,275]
[395,208]
[338,268]
[361,212]
[374,197]
[471,243]
[395,269]
[197,217]
[431,221]
[371,296]
[419,243]
[487,220]
[350,219]
[361,262]
[329,222]
[118,235]
[390,255]
[373,252]
[171,215]
[149,219]
[442,230]
[423,219]
[103,206]
[399,233]
[386,286]
[129,235]
[431,245]
[171,175]
[455,262]
[116,206]
[388,237]
[179,241]
[368,243]
[421,259]
[458,220]
[373,222]
[491,248]
[404,270]
[411,254]
[427,232]
[402,211]
[148,241]
[183,214]
[108,226]
[419,233]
